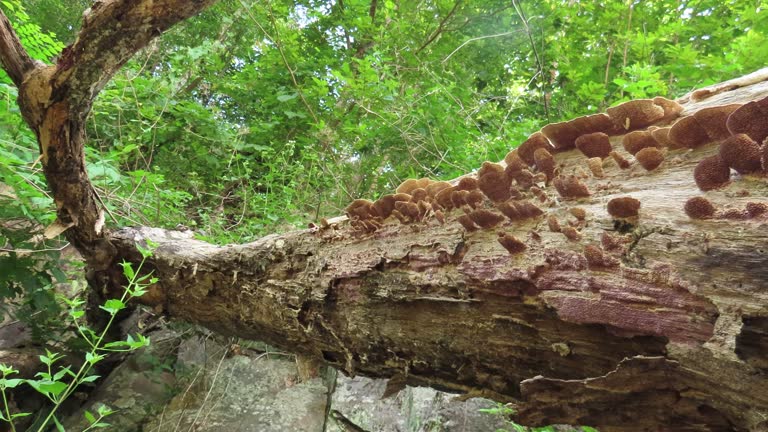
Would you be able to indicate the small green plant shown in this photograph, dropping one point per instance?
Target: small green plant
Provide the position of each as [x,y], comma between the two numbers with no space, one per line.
[505,412]
[58,385]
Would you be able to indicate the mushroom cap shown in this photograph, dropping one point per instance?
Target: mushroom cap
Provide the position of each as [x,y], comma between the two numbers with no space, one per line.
[750,119]
[741,153]
[635,114]
[596,166]
[713,120]
[699,208]
[688,133]
[514,161]
[511,244]
[623,207]
[594,145]
[650,158]
[570,187]
[600,122]
[661,135]
[563,135]
[495,185]
[489,167]
[711,173]
[485,218]
[535,141]
[467,183]
[635,141]
[545,162]
[620,160]
[671,108]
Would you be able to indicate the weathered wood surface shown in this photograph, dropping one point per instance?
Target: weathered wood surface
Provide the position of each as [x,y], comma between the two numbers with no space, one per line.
[673,338]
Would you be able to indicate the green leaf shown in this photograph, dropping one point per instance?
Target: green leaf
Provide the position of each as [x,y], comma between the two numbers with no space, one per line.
[90,417]
[128,270]
[10,383]
[90,378]
[59,427]
[287,97]
[113,306]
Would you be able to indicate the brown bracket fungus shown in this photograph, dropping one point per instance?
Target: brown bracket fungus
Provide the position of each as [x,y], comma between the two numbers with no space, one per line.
[485,218]
[570,187]
[699,208]
[495,185]
[620,160]
[514,162]
[624,207]
[597,258]
[553,223]
[711,173]
[595,165]
[713,120]
[545,163]
[511,244]
[636,114]
[750,119]
[650,158]
[571,233]
[536,141]
[635,141]
[594,145]
[519,210]
[467,223]
[562,135]
[741,153]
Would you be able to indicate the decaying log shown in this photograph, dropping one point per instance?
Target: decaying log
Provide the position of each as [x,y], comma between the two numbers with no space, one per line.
[650,322]
[649,318]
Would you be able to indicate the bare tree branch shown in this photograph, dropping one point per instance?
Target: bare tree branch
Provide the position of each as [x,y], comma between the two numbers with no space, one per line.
[15,59]
[113,31]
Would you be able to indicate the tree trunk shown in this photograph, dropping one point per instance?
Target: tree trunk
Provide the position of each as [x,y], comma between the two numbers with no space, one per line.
[648,322]
[664,331]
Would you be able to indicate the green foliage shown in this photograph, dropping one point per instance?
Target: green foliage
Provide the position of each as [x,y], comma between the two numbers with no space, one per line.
[41,45]
[58,383]
[504,412]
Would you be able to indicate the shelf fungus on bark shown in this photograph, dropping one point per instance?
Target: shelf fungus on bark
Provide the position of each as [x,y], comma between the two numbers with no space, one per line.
[750,119]
[571,233]
[474,198]
[661,135]
[650,158]
[595,165]
[519,210]
[562,135]
[485,218]
[597,258]
[511,244]
[467,184]
[620,160]
[640,113]
[635,141]
[537,140]
[578,212]
[467,223]
[623,207]
[553,224]
[741,153]
[493,182]
[596,144]
[514,162]
[570,187]
[714,120]
[545,163]
[410,184]
[711,173]
[755,210]
[699,208]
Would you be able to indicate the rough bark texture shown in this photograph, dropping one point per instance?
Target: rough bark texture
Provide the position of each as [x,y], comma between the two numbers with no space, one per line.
[654,322]
[663,331]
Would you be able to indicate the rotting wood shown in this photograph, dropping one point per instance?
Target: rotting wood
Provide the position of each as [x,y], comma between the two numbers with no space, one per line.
[672,338]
